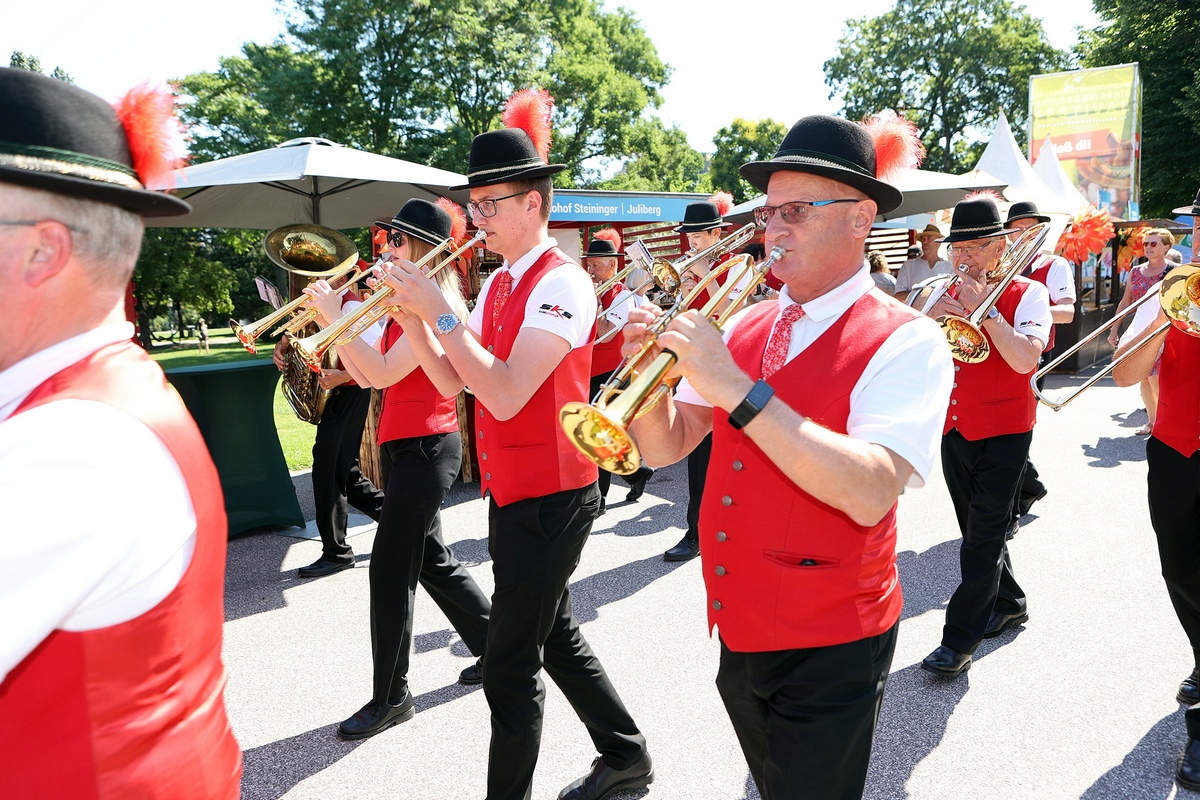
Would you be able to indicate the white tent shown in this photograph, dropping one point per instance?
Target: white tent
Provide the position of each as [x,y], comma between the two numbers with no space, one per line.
[1051,171]
[1002,159]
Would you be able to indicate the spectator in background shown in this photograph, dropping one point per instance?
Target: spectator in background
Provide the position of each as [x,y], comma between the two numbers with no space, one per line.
[927,265]
[880,272]
[202,332]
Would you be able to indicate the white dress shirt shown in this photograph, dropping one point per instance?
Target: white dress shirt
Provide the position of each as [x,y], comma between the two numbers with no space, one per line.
[915,270]
[96,524]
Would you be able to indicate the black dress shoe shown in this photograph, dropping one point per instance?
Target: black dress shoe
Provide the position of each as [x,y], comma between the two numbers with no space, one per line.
[1188,773]
[473,674]
[1189,690]
[686,550]
[637,482]
[604,781]
[376,717]
[947,661]
[999,623]
[1024,504]
[324,566]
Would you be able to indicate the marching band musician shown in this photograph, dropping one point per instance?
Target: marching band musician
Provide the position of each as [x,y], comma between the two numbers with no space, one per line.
[420,453]
[822,405]
[337,481]
[111,680]
[600,260]
[987,433]
[1173,481]
[526,349]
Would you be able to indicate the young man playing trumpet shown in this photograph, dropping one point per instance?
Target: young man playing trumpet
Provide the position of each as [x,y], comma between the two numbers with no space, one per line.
[987,432]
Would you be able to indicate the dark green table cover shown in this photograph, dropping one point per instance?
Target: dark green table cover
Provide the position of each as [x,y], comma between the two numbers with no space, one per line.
[233,407]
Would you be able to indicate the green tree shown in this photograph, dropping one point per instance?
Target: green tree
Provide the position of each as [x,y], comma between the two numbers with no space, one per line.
[664,161]
[34,64]
[1164,38]
[953,64]
[177,276]
[737,143]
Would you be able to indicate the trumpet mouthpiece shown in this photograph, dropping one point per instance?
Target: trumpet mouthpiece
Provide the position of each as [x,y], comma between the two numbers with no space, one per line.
[777,253]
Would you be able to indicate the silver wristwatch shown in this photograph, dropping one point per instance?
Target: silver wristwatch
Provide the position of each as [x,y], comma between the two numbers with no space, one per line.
[446,323]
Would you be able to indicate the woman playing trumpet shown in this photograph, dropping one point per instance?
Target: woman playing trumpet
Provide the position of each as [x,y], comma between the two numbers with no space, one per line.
[420,452]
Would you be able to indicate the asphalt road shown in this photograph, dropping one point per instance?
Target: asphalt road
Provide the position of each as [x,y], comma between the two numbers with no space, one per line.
[1077,703]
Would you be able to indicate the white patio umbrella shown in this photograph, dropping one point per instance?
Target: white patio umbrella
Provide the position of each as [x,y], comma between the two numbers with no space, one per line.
[924,192]
[304,180]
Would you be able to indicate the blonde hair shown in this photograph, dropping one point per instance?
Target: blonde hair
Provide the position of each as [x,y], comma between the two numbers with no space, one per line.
[1168,238]
[448,279]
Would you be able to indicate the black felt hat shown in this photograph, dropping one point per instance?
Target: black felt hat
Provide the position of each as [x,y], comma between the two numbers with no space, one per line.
[702,216]
[1025,209]
[1189,211]
[60,138]
[833,148]
[976,218]
[422,219]
[504,155]
[602,248]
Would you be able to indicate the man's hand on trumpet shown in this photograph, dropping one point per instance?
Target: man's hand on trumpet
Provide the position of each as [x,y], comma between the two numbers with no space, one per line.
[326,300]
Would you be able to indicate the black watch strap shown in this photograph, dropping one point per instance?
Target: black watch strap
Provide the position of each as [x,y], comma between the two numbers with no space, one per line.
[748,409]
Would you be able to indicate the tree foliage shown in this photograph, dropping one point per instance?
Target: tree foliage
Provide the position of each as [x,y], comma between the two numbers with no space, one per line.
[1164,38]
[34,64]
[953,64]
[738,143]
[664,161]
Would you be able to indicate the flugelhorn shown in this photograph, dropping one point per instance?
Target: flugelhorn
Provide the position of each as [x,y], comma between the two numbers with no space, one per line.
[601,431]
[1178,294]
[669,274]
[965,336]
[350,326]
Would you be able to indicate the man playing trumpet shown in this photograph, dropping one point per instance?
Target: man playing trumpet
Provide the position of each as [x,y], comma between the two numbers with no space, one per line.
[822,407]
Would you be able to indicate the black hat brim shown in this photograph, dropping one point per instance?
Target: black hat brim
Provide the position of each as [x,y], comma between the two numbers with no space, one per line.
[886,197]
[404,226]
[507,177]
[701,226]
[969,235]
[1186,211]
[141,201]
[1037,217]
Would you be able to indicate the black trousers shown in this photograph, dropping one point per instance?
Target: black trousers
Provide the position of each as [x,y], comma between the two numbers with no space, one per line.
[806,718]
[535,546]
[417,473]
[337,483]
[697,467]
[983,477]
[1174,495]
[605,475]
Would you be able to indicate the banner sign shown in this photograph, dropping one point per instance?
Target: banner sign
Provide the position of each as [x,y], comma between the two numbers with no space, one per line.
[1094,120]
[618,207]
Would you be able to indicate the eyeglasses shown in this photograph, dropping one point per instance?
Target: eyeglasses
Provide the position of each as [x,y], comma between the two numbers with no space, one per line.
[487,208]
[967,250]
[795,212]
[395,239]
[1151,244]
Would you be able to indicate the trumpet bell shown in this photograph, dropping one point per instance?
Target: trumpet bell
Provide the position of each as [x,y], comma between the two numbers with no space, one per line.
[312,250]
[244,335]
[1180,298]
[966,340]
[601,438]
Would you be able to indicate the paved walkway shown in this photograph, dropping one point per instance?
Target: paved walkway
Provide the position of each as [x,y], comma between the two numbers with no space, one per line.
[1078,703]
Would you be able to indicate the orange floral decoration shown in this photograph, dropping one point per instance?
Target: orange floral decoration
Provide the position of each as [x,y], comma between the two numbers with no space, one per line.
[1130,247]
[1090,232]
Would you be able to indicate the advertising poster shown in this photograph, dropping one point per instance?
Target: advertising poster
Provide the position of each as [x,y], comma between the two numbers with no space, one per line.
[1093,117]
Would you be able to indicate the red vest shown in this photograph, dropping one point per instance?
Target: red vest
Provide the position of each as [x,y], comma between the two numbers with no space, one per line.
[783,570]
[413,406]
[607,355]
[529,455]
[990,398]
[1178,422]
[1041,274]
[707,293]
[134,710]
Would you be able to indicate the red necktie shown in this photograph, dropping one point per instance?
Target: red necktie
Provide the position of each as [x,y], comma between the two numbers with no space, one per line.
[781,337]
[503,289]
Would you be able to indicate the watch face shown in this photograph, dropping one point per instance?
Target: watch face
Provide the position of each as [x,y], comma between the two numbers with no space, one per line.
[447,323]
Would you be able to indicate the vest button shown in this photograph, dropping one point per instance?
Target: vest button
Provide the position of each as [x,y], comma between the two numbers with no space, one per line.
[483,456]
[726,500]
[954,386]
[481,417]
[499,328]
[491,348]
[737,466]
[719,570]
[953,402]
[954,417]
[721,536]
[716,605]
[481,434]
[487,476]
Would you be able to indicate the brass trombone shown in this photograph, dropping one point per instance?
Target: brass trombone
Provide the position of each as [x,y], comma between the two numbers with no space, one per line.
[351,325]
[1178,294]
[601,430]
[669,274]
[965,336]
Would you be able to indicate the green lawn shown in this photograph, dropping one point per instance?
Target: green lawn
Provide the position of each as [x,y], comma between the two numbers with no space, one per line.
[295,437]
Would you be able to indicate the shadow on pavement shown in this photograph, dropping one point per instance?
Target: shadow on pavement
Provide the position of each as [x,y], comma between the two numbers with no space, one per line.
[588,594]
[1148,771]
[272,770]
[929,578]
[1109,452]
[652,519]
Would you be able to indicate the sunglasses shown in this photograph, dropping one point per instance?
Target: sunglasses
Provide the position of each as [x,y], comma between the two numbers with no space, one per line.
[395,239]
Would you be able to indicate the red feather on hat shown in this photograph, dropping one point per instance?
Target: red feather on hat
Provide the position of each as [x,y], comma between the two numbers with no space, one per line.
[155,135]
[723,201]
[896,144]
[1090,232]
[458,219]
[609,235]
[529,110]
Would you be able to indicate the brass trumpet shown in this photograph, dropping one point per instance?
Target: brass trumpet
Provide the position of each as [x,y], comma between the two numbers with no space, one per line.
[601,430]
[669,274]
[350,326]
[965,336]
[1178,294]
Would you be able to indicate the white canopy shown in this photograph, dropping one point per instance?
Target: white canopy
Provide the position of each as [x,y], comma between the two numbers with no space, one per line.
[1004,160]
[1051,171]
